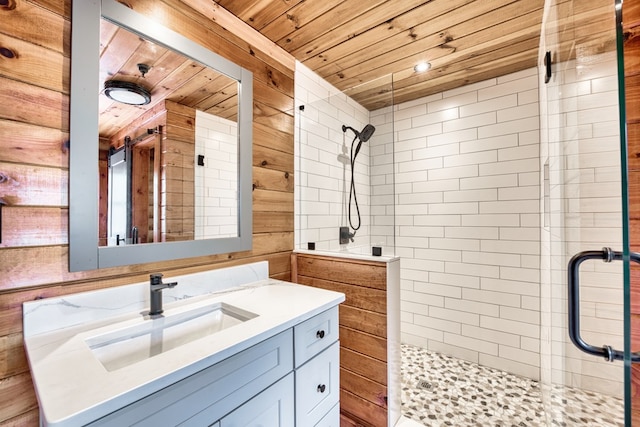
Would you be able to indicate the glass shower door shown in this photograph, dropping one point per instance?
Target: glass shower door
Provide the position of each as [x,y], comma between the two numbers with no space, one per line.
[583,156]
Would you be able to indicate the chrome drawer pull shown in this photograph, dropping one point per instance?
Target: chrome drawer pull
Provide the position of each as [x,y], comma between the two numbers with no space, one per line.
[321,388]
[320,334]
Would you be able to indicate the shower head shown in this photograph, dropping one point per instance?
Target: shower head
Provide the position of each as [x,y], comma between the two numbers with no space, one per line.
[364,135]
[367,132]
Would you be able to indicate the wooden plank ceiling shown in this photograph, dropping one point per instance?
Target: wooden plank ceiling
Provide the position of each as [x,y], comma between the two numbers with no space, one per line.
[359,46]
[171,76]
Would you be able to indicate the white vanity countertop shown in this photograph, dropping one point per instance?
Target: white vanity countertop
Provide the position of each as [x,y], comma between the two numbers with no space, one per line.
[74,388]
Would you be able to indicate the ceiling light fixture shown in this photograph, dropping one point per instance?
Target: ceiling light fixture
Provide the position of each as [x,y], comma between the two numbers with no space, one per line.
[421,67]
[126,92]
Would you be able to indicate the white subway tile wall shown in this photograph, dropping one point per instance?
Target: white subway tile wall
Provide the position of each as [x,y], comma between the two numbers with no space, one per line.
[467,207]
[216,183]
[455,185]
[323,170]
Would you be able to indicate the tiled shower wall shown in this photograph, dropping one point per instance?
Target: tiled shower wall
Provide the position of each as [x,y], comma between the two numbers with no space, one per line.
[216,183]
[467,221]
[455,178]
[323,172]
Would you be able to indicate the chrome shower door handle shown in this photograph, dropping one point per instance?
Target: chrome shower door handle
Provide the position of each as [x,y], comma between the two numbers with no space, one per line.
[606,351]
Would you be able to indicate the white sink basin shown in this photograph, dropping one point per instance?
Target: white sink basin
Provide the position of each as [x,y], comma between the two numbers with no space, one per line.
[152,337]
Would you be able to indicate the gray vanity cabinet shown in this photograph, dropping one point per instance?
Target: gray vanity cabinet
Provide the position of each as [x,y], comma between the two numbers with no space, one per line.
[273,407]
[290,379]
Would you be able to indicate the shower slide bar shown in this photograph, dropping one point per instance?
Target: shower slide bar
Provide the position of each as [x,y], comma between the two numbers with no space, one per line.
[606,351]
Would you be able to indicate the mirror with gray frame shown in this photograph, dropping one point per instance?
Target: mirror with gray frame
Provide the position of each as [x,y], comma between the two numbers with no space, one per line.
[160,160]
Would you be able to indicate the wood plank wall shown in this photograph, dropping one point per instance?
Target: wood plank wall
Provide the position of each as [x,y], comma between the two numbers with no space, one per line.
[34,124]
[363,331]
[177,180]
[631,27]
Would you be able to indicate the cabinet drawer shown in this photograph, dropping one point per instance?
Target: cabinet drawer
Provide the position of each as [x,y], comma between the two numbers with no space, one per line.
[314,335]
[273,407]
[318,386]
[332,419]
[213,392]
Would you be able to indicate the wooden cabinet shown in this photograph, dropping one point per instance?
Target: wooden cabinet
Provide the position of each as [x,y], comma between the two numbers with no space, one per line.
[369,331]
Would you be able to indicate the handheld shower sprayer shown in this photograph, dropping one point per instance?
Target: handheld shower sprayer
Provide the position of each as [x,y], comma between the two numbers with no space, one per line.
[362,136]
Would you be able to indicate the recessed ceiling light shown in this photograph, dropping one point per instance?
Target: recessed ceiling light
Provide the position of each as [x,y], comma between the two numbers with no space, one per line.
[421,67]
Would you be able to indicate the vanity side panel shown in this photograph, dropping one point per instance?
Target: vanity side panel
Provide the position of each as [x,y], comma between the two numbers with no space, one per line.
[363,330]
[34,90]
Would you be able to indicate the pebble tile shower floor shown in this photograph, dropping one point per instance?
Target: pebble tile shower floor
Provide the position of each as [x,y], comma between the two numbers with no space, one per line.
[439,390]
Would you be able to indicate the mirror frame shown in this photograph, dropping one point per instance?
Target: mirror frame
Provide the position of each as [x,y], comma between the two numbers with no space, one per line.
[84,252]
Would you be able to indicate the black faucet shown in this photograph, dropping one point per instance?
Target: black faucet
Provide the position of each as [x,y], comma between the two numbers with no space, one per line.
[156,287]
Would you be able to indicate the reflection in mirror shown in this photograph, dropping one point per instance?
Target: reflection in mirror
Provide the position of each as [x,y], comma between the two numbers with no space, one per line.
[168,144]
[167,114]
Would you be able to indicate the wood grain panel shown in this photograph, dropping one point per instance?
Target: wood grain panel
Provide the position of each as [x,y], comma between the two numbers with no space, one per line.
[632,97]
[34,144]
[35,105]
[363,320]
[269,222]
[278,263]
[266,243]
[282,121]
[367,413]
[368,344]
[271,159]
[30,418]
[268,179]
[267,50]
[270,201]
[34,64]
[23,397]
[355,296]
[269,136]
[34,226]
[24,184]
[13,359]
[363,387]
[364,365]
[362,273]
[296,17]
[633,145]
[27,21]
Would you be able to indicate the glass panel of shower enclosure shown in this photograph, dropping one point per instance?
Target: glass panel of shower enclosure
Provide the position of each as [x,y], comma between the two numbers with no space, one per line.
[344,165]
[584,210]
